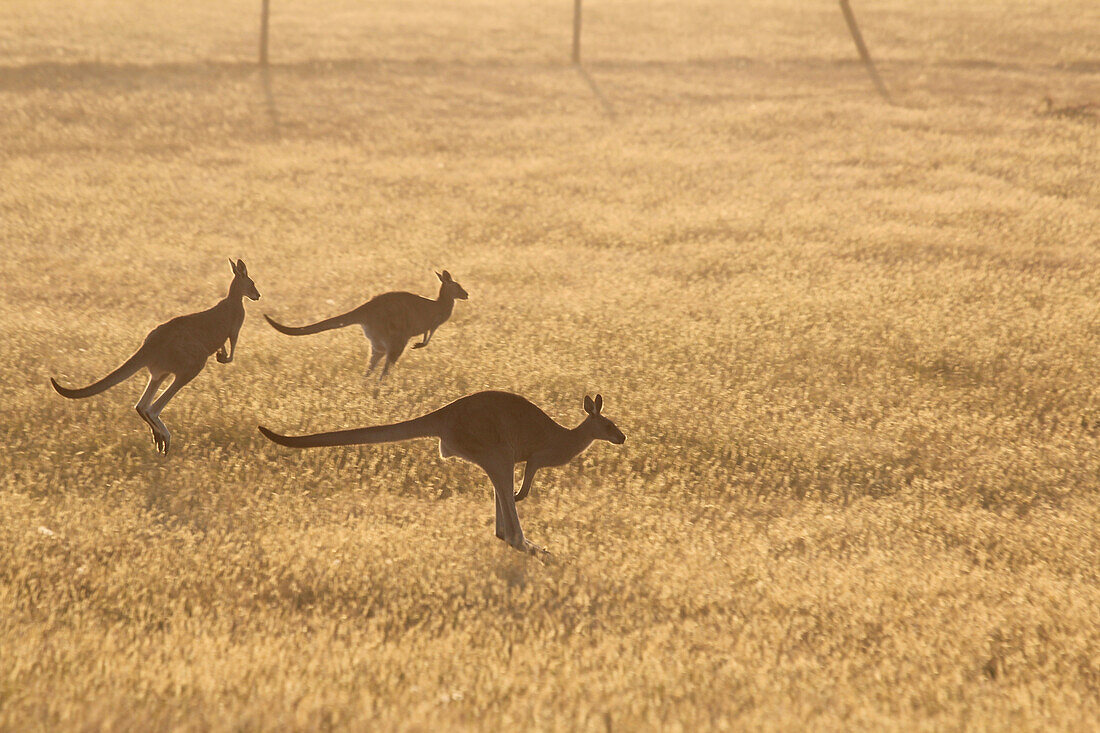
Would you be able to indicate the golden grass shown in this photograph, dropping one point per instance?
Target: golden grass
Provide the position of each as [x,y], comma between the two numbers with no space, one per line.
[853,347]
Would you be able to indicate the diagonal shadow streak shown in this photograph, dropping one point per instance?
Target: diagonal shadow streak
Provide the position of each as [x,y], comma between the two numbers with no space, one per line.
[607,108]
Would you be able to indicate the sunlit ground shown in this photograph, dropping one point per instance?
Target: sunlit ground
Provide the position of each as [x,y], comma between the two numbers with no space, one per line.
[852,345]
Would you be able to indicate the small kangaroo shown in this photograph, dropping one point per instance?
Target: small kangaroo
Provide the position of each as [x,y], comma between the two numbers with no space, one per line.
[494,430]
[179,347]
[389,320]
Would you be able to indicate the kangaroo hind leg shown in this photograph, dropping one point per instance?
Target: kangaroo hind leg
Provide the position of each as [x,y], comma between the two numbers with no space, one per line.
[376,355]
[162,436]
[377,349]
[501,531]
[508,526]
[146,402]
[393,353]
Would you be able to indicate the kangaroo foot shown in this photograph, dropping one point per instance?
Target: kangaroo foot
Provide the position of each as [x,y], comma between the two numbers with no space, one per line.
[526,545]
[534,549]
[162,440]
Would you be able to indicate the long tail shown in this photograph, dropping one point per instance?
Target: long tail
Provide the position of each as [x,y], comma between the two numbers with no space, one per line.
[420,427]
[328,324]
[128,369]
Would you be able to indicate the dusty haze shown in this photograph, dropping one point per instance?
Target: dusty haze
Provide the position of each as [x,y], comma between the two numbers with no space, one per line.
[853,345]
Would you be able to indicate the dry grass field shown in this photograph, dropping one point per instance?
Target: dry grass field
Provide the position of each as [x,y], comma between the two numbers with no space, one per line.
[854,347]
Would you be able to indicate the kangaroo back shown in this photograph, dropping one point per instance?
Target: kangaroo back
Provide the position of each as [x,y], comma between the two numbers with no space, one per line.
[328,324]
[421,427]
[128,369]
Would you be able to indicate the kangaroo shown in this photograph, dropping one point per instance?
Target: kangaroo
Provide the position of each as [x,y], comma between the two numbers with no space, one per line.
[389,320]
[493,430]
[180,348]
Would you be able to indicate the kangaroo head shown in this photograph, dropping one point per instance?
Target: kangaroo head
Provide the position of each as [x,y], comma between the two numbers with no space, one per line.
[450,288]
[242,283]
[601,427]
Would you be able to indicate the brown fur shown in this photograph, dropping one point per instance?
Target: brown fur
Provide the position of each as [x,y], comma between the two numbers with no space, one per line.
[493,430]
[390,320]
[179,348]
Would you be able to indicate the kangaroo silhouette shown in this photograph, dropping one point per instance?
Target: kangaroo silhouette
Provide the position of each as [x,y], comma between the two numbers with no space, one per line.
[390,320]
[179,348]
[493,430]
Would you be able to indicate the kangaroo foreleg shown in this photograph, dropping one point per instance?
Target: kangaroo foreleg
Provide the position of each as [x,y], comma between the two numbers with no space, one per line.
[427,337]
[224,358]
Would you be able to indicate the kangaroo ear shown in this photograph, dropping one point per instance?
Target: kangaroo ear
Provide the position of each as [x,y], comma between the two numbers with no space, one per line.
[440,276]
[589,405]
[599,403]
[232,265]
[241,268]
[447,277]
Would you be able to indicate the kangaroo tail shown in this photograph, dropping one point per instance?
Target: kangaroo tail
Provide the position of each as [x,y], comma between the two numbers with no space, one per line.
[328,324]
[419,427]
[128,369]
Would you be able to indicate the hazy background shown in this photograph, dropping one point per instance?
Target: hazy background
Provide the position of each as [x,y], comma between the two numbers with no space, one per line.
[853,347]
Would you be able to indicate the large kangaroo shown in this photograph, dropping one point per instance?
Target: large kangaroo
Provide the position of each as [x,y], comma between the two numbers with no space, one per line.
[179,348]
[389,320]
[494,430]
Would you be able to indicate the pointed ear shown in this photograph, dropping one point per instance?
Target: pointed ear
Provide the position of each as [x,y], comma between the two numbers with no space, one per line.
[241,268]
[232,265]
[447,277]
[599,403]
[589,405]
[440,276]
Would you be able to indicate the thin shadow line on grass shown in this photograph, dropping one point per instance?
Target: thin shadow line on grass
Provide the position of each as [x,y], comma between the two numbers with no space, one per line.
[596,91]
[56,75]
[269,100]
